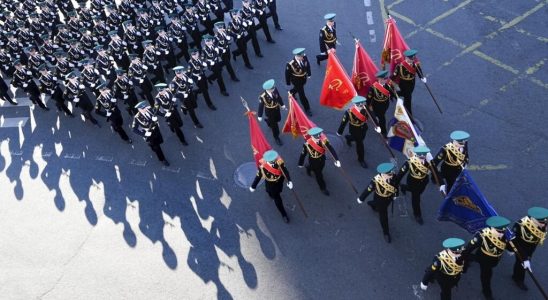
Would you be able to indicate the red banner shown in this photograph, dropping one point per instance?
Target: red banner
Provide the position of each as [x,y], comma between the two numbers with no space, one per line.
[364,70]
[337,89]
[297,123]
[259,144]
[393,47]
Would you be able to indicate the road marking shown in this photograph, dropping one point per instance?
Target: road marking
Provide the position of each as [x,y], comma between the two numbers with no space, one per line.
[16,153]
[448,13]
[369,17]
[173,170]
[104,158]
[392,4]
[372,36]
[496,62]
[367,3]
[72,156]
[13,122]
[487,167]
[140,163]
[522,17]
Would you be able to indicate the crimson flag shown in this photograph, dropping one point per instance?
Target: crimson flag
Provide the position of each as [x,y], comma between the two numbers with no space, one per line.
[259,144]
[337,89]
[393,47]
[364,70]
[297,123]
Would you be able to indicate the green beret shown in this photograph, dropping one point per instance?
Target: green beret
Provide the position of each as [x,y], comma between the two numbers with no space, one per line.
[83,30]
[127,23]
[102,86]
[410,53]
[234,11]
[298,51]
[112,33]
[421,150]
[193,50]
[269,84]
[329,17]
[220,24]
[382,74]
[160,86]
[270,155]
[178,69]
[16,62]
[60,26]
[120,71]
[71,13]
[141,104]
[70,75]
[132,56]
[539,213]
[42,67]
[59,53]
[358,99]
[453,243]
[497,222]
[98,48]
[146,43]
[159,28]
[385,168]
[188,5]
[207,37]
[459,135]
[314,131]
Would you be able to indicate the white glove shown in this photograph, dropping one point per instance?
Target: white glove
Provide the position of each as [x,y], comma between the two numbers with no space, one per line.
[251,189]
[429,157]
[378,129]
[527,265]
[400,99]
[29,73]
[126,96]
[25,85]
[423,79]
[190,80]
[154,118]
[300,166]
[158,53]
[148,133]
[338,134]
[290,185]
[423,286]
[283,107]
[141,80]
[443,189]
[260,119]
[145,67]
[109,113]
[185,95]
[359,201]
[92,85]
[113,100]
[337,164]
[228,38]
[76,100]
[81,86]
[110,57]
[168,114]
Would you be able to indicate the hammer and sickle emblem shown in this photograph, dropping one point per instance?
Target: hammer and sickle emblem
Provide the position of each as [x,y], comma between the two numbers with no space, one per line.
[335,84]
[396,54]
[361,79]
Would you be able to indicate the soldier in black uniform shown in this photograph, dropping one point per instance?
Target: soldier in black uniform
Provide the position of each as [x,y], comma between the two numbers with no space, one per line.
[35,60]
[222,41]
[418,167]
[315,147]
[4,93]
[447,268]
[271,102]
[272,169]
[75,92]
[202,9]
[63,66]
[212,58]
[87,42]
[117,48]
[50,87]
[297,71]
[107,101]
[145,24]
[75,54]
[166,106]
[259,8]
[490,244]
[238,32]
[105,65]
[377,98]
[328,37]
[190,20]
[48,49]
[123,89]
[530,232]
[178,34]
[22,78]
[454,156]
[196,69]
[100,30]
[133,38]
[145,124]
[152,62]
[182,85]
[385,185]
[405,73]
[356,116]
[6,63]
[138,73]
[248,22]
[90,76]
[163,45]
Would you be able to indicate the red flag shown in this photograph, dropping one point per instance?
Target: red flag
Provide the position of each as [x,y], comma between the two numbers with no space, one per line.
[297,123]
[393,47]
[259,144]
[337,89]
[364,70]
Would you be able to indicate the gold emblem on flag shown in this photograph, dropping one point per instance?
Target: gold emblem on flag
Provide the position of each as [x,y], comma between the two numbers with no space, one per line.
[465,202]
[335,84]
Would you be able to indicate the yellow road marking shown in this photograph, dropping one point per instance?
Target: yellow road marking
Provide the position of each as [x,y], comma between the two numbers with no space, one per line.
[404,18]
[539,82]
[445,38]
[535,67]
[383,12]
[448,13]
[487,167]
[394,4]
[496,62]
[518,19]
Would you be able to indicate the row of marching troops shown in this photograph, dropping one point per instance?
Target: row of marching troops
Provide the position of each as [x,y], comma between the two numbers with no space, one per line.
[110,53]
[486,247]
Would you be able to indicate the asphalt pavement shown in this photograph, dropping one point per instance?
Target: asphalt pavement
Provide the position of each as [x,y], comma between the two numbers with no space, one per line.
[85,216]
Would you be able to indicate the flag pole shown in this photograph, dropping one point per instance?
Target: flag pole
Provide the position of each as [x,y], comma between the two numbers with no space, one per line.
[343,172]
[433,98]
[384,140]
[520,258]
[244,103]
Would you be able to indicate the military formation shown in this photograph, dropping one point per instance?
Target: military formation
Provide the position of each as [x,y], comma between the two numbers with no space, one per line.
[155,59]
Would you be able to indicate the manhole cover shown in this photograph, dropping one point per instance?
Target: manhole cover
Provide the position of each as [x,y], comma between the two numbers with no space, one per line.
[245,174]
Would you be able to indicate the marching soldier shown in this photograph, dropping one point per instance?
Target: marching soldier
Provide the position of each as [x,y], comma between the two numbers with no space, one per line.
[87,41]
[63,66]
[297,71]
[183,87]
[90,75]
[117,49]
[271,102]
[385,187]
[48,48]
[75,92]
[248,22]
[152,62]
[260,12]
[190,21]
[145,24]
[138,72]
[75,53]
[222,41]
[238,32]
[272,169]
[202,9]
[22,78]
[35,60]
[377,98]
[163,45]
[356,116]
[166,106]
[530,232]
[315,147]
[447,268]
[454,156]
[104,65]
[196,69]
[418,167]
[328,37]
[4,93]
[489,244]
[212,58]
[5,63]
[405,73]
[178,33]
[50,87]
[107,101]
[145,124]
[100,30]
[123,89]
[133,38]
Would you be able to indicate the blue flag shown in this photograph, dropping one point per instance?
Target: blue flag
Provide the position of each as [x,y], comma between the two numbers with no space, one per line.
[465,205]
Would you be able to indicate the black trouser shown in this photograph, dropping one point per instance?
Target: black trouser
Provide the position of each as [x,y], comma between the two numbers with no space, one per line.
[87,115]
[380,204]
[446,284]
[279,203]
[217,75]
[4,92]
[487,264]
[253,37]
[226,62]
[416,187]
[274,127]
[406,92]
[170,59]
[316,165]
[61,106]
[158,74]
[242,50]
[357,134]
[274,13]
[299,89]
[380,110]
[183,46]
[526,251]
[196,38]
[202,88]
[120,130]
[158,150]
[450,174]
[146,90]
[264,26]
[322,57]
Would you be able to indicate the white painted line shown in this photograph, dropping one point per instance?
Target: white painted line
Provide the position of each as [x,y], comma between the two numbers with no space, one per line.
[140,163]
[16,153]
[173,170]
[72,156]
[47,154]
[369,16]
[13,122]
[372,36]
[367,3]
[104,158]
